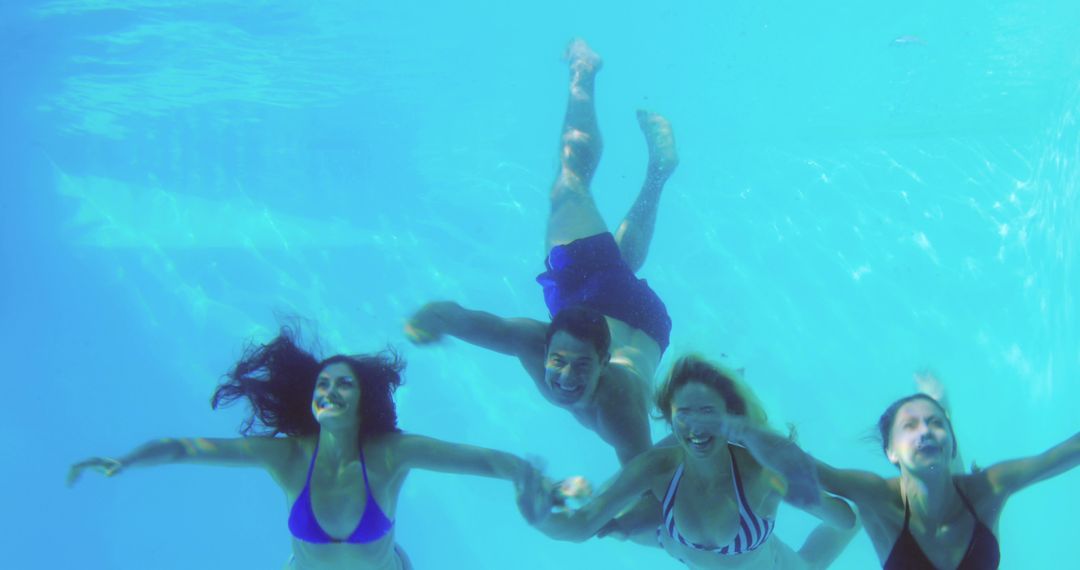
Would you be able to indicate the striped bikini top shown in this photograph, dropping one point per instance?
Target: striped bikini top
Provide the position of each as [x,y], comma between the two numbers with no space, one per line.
[753,530]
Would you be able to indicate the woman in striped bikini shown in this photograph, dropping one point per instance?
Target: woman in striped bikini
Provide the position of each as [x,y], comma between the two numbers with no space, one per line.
[719,485]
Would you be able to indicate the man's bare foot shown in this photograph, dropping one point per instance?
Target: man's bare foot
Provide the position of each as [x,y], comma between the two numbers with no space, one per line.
[663,158]
[584,63]
[581,57]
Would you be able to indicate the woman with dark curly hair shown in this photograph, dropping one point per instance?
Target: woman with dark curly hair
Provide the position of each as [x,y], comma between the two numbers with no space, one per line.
[327,433]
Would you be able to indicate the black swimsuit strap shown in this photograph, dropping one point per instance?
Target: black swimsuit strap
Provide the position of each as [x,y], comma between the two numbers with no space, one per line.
[967,503]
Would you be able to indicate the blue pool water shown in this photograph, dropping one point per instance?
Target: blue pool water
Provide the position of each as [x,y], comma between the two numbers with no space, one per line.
[865,191]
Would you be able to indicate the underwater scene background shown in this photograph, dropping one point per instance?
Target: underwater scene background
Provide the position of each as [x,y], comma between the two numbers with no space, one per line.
[865,190]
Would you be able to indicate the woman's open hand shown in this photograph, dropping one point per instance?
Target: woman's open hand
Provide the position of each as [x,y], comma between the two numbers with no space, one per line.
[107,466]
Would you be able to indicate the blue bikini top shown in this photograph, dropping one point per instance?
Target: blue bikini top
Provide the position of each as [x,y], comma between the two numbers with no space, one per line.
[304,526]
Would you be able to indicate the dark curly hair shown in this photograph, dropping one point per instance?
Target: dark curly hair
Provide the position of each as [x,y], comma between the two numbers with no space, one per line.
[278,378]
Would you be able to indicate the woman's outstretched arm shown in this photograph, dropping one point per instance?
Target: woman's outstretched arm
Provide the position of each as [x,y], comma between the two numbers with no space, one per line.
[781,455]
[579,525]
[1009,477]
[271,453]
[421,452]
[860,487]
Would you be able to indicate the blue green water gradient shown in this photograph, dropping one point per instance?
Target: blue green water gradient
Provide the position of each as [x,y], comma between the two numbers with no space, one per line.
[865,190]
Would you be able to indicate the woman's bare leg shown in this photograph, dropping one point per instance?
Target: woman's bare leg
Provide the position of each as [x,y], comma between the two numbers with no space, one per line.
[573,211]
[636,230]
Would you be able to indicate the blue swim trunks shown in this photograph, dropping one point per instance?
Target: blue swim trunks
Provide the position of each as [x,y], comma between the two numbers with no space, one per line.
[591,272]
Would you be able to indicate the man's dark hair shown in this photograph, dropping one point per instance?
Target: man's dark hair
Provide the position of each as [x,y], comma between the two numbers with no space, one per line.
[584,324]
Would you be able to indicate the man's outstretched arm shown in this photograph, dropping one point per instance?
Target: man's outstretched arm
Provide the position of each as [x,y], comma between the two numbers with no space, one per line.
[520,337]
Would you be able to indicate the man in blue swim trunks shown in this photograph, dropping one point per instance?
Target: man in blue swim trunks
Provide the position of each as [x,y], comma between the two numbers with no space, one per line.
[597,357]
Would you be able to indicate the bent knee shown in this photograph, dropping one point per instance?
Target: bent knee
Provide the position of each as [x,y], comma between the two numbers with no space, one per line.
[580,151]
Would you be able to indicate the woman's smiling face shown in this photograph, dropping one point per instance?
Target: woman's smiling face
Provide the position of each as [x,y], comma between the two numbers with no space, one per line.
[697,416]
[336,400]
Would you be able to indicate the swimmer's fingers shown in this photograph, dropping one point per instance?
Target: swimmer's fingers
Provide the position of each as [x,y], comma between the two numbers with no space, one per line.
[576,487]
[803,487]
[734,429]
[803,493]
[427,325]
[928,383]
[104,465]
[417,335]
[432,321]
[534,497]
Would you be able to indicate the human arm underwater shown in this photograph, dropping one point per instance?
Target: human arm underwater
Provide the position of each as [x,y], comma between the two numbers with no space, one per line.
[638,521]
[643,517]
[421,452]
[519,337]
[860,487]
[271,453]
[623,418]
[800,473]
[782,455]
[581,524]
[1009,477]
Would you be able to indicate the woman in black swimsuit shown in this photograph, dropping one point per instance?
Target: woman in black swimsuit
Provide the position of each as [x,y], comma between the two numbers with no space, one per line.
[930,517]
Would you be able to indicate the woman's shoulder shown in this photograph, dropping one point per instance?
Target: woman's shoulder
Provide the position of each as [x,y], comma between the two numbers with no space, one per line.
[392,448]
[286,457]
[281,447]
[747,466]
[975,486]
[756,478]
